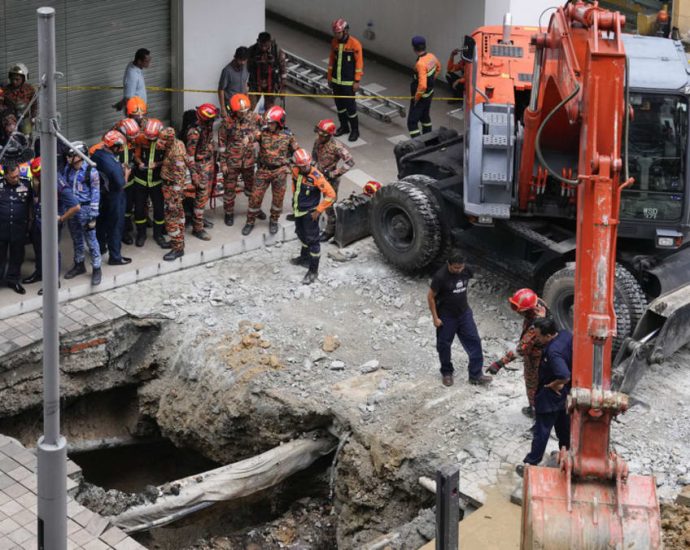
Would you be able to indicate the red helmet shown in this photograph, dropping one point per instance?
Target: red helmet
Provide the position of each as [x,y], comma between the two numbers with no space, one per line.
[152,128]
[276,114]
[35,166]
[371,188]
[239,102]
[136,106]
[129,128]
[113,138]
[340,25]
[302,157]
[327,126]
[206,112]
[524,300]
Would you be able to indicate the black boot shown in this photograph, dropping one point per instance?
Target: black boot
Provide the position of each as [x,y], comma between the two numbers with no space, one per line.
[342,130]
[326,236]
[33,278]
[96,276]
[173,255]
[77,269]
[354,129]
[141,235]
[310,277]
[158,237]
[247,229]
[127,233]
[229,219]
[261,215]
[301,261]
[272,227]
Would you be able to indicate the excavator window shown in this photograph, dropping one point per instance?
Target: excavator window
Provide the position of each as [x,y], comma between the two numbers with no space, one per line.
[657,150]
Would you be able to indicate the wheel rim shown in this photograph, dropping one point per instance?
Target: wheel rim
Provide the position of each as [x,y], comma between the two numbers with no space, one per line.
[398,228]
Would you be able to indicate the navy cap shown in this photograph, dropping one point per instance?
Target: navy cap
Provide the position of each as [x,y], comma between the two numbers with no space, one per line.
[418,41]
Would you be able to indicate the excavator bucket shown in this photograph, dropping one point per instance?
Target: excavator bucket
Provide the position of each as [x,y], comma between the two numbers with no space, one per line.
[663,329]
[588,514]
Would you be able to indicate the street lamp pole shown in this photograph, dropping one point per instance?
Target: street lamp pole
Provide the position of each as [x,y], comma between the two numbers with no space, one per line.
[51,447]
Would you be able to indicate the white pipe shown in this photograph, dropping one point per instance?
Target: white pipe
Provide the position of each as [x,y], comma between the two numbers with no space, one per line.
[507,24]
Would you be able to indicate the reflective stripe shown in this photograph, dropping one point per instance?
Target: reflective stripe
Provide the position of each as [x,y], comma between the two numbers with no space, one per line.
[342,111]
[140,222]
[161,222]
[426,123]
[295,197]
[339,68]
[315,254]
[352,116]
[414,133]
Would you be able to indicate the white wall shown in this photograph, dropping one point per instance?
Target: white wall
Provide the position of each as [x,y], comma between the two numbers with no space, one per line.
[524,12]
[443,22]
[211,31]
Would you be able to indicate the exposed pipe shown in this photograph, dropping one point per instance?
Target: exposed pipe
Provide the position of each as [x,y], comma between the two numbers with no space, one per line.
[507,25]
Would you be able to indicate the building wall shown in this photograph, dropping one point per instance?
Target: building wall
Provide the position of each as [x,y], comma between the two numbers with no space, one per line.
[211,31]
[443,22]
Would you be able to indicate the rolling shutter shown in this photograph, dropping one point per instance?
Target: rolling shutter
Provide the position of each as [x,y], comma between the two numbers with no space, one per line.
[95,40]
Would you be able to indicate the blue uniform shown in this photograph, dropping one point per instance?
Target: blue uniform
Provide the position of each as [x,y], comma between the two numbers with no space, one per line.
[86,187]
[66,200]
[556,364]
[112,219]
[15,205]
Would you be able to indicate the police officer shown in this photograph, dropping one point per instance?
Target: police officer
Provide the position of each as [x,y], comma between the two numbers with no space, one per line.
[68,206]
[147,184]
[345,70]
[86,186]
[276,146]
[333,159]
[15,205]
[555,370]
[426,71]
[308,185]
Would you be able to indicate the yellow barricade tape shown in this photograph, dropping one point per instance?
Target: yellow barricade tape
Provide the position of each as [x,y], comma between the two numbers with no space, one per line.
[274,94]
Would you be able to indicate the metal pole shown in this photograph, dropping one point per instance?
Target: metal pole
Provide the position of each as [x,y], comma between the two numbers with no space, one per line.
[447,507]
[52,447]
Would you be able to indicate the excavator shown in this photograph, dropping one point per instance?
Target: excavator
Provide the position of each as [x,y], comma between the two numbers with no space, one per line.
[573,135]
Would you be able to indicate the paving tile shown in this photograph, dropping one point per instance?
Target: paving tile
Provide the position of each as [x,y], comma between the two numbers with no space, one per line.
[10,508]
[81,537]
[23,517]
[5,481]
[4,498]
[97,525]
[7,526]
[72,526]
[83,517]
[30,544]
[113,535]
[19,535]
[19,474]
[96,545]
[73,508]
[129,544]
[30,483]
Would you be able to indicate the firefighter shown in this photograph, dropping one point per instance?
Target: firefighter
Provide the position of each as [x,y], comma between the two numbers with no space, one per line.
[137,109]
[15,205]
[267,68]
[455,74]
[345,70]
[276,145]
[530,307]
[68,206]
[129,128]
[555,372]
[333,159]
[201,161]
[426,70]
[86,186]
[147,184]
[20,93]
[308,185]
[173,173]
[237,135]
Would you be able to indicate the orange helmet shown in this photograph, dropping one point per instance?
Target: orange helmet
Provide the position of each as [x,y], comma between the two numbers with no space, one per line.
[152,128]
[371,188]
[35,166]
[206,112]
[129,128]
[302,157]
[340,25]
[276,114]
[113,138]
[239,102]
[136,106]
[326,126]
[523,300]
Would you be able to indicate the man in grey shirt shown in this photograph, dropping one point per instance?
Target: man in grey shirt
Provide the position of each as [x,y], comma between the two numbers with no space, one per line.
[233,79]
[133,81]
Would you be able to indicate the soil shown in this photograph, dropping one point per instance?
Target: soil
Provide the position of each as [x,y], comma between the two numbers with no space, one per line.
[675,522]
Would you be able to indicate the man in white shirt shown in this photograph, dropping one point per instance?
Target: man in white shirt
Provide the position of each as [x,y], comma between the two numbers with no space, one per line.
[133,80]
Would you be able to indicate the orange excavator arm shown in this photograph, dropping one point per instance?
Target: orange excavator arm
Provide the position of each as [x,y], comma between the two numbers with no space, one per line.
[590,501]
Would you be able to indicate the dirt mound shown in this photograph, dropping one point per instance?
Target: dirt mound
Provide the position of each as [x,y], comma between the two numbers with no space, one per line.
[675,522]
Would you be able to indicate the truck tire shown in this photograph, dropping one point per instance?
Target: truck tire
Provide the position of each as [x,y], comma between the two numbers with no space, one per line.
[629,301]
[404,221]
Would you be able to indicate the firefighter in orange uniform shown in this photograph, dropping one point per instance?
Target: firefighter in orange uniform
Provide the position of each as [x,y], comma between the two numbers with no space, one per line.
[201,160]
[426,71]
[276,144]
[345,70]
[237,135]
[308,186]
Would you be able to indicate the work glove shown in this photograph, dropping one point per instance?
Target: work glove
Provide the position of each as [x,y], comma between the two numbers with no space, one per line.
[494,367]
[91,224]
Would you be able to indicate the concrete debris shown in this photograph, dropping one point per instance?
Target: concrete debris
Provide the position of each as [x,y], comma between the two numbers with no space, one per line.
[337,365]
[370,366]
[330,343]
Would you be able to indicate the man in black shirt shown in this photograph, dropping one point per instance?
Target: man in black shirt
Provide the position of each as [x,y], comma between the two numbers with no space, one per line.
[452,316]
